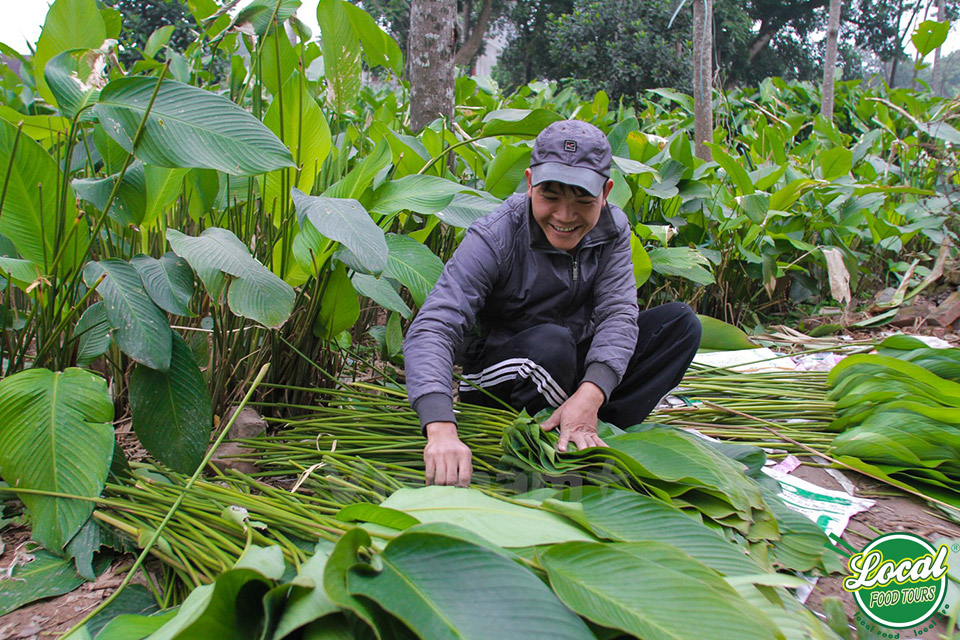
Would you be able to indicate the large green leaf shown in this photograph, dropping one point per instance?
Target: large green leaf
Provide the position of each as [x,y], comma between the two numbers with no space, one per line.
[73,77]
[307,599]
[134,627]
[168,281]
[336,574]
[136,599]
[31,216]
[339,307]
[378,47]
[44,129]
[341,53]
[303,128]
[427,579]
[503,523]
[157,40]
[683,262]
[22,273]
[279,60]
[642,266]
[46,576]
[189,127]
[93,334]
[129,205]
[518,122]
[417,193]
[211,610]
[140,328]
[56,435]
[929,35]
[255,292]
[381,291]
[506,170]
[630,517]
[720,336]
[70,24]
[363,173]
[836,162]
[941,130]
[163,188]
[465,209]
[650,590]
[260,14]
[675,456]
[413,265]
[783,198]
[171,410]
[345,221]
[736,173]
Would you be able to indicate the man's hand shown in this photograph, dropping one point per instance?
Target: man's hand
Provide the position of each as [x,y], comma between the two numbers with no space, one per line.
[577,418]
[447,459]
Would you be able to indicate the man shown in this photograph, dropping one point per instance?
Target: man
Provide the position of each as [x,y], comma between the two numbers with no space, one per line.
[539,304]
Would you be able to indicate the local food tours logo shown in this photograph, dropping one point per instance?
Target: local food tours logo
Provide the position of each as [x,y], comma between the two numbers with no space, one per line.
[898,580]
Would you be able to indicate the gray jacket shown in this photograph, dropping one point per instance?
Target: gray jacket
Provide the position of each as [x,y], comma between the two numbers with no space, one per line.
[506,277]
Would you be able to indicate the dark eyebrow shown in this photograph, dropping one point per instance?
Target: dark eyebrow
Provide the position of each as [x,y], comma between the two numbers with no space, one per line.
[550,187]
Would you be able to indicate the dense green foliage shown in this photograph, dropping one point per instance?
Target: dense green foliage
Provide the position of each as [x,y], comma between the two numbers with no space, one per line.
[627,47]
[142,18]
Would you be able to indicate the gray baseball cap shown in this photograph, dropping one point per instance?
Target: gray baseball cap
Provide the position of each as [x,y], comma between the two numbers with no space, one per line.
[572,152]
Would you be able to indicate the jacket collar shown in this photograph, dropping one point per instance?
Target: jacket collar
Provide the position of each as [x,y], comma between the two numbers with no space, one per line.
[604,231]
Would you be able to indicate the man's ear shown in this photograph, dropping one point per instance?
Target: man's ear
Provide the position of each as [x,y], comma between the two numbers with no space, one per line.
[530,183]
[607,188]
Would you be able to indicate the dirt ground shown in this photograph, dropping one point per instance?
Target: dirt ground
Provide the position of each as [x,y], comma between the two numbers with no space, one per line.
[51,617]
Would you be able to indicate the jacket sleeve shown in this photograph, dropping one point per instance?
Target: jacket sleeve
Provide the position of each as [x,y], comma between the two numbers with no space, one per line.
[439,328]
[614,318]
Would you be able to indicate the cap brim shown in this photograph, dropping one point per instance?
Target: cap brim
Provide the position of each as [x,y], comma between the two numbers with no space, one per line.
[576,176]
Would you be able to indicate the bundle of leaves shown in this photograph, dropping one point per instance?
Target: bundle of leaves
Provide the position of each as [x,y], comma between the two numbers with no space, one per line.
[683,470]
[899,418]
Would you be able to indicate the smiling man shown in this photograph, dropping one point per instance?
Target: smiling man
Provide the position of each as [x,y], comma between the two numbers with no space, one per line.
[539,305]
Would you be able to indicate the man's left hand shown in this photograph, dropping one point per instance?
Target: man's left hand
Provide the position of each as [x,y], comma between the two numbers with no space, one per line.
[577,418]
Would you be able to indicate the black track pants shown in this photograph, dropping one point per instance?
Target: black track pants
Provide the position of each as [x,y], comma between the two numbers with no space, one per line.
[540,367]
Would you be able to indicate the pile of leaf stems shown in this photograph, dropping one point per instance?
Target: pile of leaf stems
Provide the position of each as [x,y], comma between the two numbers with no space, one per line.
[363,422]
[200,543]
[794,400]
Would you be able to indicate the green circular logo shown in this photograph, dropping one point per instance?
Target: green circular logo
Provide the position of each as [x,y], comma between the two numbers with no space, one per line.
[899,580]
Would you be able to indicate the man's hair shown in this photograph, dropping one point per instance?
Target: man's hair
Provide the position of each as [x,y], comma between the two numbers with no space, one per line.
[554,185]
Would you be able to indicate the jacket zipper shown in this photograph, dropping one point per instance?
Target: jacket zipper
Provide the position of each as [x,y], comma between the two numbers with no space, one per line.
[575,281]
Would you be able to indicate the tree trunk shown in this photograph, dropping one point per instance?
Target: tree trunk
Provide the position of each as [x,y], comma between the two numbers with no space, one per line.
[702,78]
[432,45]
[474,37]
[761,42]
[937,71]
[830,63]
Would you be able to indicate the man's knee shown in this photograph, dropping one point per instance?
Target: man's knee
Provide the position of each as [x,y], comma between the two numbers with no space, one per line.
[689,328]
[674,322]
[551,346]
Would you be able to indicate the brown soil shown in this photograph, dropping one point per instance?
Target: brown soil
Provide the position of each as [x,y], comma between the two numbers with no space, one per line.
[51,617]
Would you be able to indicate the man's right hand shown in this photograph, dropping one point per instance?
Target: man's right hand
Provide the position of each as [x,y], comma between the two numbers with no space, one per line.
[447,459]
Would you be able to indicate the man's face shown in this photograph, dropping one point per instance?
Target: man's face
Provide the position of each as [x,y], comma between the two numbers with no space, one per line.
[565,213]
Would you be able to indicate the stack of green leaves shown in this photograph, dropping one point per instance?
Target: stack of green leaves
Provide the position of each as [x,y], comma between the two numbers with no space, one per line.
[899,418]
[670,464]
[702,478]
